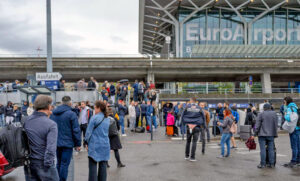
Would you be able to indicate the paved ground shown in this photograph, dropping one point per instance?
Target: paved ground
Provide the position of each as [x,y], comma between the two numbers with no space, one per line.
[163,159]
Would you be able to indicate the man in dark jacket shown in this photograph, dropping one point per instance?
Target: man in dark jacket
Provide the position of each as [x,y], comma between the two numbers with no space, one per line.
[91,84]
[68,135]
[112,89]
[136,91]
[9,113]
[138,114]
[194,117]
[144,111]
[122,112]
[24,108]
[42,135]
[220,115]
[266,130]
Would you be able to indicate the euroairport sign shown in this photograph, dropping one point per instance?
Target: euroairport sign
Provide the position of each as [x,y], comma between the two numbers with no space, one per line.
[195,33]
[45,76]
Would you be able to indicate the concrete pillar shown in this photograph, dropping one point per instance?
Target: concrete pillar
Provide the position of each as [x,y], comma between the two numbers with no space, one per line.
[266,83]
[150,76]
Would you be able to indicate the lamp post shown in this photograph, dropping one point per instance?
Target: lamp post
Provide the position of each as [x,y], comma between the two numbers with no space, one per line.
[49,38]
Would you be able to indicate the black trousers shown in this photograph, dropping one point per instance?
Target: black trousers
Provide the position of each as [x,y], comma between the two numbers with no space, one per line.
[192,136]
[101,175]
[137,121]
[83,128]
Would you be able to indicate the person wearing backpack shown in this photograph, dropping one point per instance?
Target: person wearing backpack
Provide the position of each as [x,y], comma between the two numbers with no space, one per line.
[122,112]
[266,130]
[114,140]
[9,113]
[236,116]
[226,135]
[112,89]
[136,91]
[295,136]
[42,135]
[194,118]
[141,91]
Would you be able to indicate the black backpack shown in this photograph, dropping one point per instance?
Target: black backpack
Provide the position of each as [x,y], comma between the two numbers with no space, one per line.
[14,145]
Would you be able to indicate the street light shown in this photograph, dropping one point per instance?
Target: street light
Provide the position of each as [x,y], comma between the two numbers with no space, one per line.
[49,38]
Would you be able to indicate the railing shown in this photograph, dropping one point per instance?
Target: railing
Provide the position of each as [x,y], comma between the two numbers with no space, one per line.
[227,91]
[73,55]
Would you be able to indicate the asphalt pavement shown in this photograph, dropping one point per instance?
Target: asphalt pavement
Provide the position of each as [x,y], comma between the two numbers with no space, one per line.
[163,160]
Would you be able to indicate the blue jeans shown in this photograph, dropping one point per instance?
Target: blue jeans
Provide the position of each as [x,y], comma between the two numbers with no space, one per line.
[101,175]
[225,139]
[121,121]
[263,141]
[2,120]
[36,172]
[135,97]
[64,156]
[295,145]
[153,121]
[182,129]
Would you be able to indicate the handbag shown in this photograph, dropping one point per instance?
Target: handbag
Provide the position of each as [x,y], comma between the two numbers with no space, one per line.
[233,128]
[291,126]
[250,143]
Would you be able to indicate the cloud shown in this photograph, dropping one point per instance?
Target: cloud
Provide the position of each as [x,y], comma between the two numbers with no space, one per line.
[78,26]
[22,36]
[118,39]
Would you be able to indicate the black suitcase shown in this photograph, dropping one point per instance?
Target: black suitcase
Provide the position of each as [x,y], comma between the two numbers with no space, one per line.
[267,155]
[140,130]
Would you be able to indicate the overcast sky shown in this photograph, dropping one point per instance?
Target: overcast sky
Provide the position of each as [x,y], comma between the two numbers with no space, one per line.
[78,26]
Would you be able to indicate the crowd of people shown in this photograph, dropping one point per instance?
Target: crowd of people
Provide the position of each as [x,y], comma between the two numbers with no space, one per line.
[96,127]
[193,119]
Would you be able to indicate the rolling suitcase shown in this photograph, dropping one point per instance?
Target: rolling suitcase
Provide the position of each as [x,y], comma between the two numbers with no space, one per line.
[140,130]
[170,130]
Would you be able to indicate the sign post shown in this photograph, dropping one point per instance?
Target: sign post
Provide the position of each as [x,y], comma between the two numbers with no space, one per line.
[51,80]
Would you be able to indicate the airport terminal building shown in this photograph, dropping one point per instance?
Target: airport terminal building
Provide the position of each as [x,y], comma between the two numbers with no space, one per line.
[221,29]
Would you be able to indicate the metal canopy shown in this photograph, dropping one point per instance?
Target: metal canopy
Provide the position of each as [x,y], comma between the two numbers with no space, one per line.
[158,18]
[278,51]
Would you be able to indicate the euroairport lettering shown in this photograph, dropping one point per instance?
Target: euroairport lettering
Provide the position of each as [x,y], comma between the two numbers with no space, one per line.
[194,33]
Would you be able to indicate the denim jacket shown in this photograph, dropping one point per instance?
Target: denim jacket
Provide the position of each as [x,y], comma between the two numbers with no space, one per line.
[97,139]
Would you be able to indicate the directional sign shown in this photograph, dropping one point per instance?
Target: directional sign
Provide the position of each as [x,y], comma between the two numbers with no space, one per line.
[44,76]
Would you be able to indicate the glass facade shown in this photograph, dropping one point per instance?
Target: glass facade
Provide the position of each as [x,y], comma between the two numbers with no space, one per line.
[223,27]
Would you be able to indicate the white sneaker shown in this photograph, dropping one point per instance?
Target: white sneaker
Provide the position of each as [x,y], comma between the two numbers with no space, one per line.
[220,156]
[193,160]
[187,158]
[124,135]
